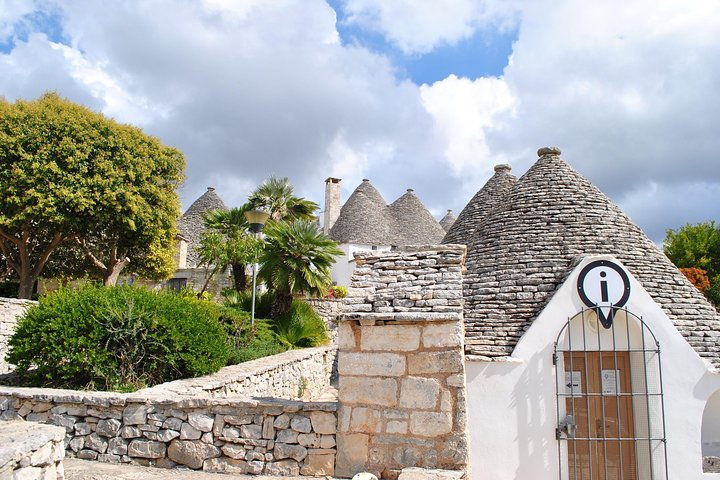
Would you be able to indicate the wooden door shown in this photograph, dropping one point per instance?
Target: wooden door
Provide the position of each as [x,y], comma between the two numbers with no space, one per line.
[601,405]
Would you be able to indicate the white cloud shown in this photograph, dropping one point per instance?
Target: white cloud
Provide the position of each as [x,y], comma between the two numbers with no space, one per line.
[253,89]
[417,26]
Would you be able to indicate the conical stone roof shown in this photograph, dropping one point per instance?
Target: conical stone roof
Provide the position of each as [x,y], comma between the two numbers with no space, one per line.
[191,224]
[493,192]
[416,226]
[447,221]
[364,219]
[523,251]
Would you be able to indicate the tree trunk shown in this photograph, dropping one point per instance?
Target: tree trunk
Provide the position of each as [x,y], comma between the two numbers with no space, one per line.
[113,273]
[27,282]
[281,304]
[239,278]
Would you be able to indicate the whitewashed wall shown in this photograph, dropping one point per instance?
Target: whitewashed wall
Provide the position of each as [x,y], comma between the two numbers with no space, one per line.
[345,264]
[512,404]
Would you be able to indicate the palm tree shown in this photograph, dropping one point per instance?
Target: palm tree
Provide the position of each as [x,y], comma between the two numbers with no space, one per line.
[296,260]
[275,196]
[231,224]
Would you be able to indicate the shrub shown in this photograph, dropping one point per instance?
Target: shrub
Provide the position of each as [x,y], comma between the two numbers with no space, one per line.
[117,338]
[243,301]
[301,327]
[337,291]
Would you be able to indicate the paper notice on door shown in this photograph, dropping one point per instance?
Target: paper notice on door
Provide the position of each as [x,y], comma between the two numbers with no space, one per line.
[573,383]
[609,380]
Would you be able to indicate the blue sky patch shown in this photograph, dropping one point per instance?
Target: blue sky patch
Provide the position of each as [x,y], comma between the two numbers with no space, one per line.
[48,22]
[484,54]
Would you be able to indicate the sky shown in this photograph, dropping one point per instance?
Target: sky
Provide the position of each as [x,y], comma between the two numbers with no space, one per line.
[422,94]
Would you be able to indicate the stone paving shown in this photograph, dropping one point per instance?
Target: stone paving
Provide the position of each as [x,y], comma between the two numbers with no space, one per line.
[76,469]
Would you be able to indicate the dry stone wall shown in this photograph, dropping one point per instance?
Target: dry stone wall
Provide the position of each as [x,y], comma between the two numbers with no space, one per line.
[31,451]
[272,437]
[401,364]
[329,310]
[10,310]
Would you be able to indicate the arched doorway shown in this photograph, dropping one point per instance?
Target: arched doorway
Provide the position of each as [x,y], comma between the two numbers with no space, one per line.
[610,407]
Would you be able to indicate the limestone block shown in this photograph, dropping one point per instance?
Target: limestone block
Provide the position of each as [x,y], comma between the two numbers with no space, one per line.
[234,451]
[282,421]
[296,452]
[309,440]
[218,425]
[365,420]
[446,403]
[301,424]
[167,435]
[109,458]
[191,453]
[96,442]
[435,362]
[371,364]
[239,419]
[83,428]
[207,437]
[135,414]
[396,427]
[117,446]
[283,468]
[230,433]
[172,423]
[416,473]
[344,418]
[352,453]
[201,421]
[323,422]
[456,380]
[146,449]
[255,467]
[317,464]
[42,456]
[108,427]
[399,338]
[38,417]
[419,393]
[130,432]
[430,424]
[77,444]
[251,431]
[87,455]
[327,441]
[225,465]
[368,391]
[66,421]
[446,334]
[454,451]
[268,430]
[346,336]
[188,432]
[287,436]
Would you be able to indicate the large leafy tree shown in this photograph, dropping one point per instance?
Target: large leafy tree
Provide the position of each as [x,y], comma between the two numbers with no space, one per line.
[296,260]
[236,248]
[72,177]
[695,247]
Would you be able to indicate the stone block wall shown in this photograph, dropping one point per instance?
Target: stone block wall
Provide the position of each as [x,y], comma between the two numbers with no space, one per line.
[329,310]
[272,437]
[31,451]
[294,374]
[401,364]
[10,310]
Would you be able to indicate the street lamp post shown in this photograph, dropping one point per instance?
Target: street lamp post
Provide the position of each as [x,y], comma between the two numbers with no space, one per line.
[256,219]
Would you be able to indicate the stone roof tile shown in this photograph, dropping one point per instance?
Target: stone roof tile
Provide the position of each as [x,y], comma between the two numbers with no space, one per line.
[448,220]
[364,219]
[522,252]
[415,224]
[191,224]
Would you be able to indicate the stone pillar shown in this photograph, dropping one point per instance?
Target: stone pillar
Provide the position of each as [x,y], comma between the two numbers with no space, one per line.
[332,203]
[401,364]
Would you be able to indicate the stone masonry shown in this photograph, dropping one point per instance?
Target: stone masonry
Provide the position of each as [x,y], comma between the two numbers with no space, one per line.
[268,436]
[10,310]
[31,451]
[401,364]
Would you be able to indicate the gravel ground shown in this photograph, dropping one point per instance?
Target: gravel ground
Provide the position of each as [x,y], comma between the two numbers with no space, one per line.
[88,470]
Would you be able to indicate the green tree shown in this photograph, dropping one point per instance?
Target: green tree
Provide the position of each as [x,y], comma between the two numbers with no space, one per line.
[276,196]
[219,251]
[296,260]
[697,246]
[70,176]
[239,251]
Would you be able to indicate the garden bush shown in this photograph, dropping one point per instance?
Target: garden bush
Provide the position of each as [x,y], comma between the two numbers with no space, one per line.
[301,327]
[248,343]
[117,338]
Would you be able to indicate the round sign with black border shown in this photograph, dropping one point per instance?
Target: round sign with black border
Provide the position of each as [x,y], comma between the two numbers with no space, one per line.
[603,286]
